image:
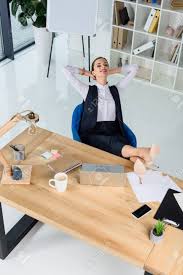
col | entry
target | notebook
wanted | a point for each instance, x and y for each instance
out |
(64, 165)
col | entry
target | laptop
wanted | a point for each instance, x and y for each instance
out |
(64, 165)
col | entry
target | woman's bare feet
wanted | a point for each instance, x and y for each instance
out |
(144, 153)
(134, 159)
(134, 153)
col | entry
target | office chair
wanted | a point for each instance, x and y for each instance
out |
(76, 118)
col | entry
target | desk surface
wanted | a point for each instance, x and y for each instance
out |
(99, 215)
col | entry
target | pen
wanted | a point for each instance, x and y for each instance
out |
(170, 222)
(14, 148)
(140, 179)
(152, 166)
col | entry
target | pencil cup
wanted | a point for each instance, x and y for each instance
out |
(19, 154)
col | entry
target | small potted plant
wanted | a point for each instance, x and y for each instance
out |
(156, 234)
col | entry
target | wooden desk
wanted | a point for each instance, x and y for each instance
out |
(99, 215)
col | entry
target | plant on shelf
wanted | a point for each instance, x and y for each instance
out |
(156, 234)
(30, 10)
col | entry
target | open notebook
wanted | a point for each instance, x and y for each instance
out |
(64, 165)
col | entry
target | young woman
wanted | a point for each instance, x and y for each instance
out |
(102, 122)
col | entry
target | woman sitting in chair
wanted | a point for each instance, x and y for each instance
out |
(102, 122)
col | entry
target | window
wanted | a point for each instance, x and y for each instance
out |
(22, 36)
(1, 44)
(13, 36)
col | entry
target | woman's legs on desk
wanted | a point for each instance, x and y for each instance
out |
(117, 145)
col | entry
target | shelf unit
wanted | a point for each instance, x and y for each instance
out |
(155, 66)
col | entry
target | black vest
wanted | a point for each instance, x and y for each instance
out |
(89, 116)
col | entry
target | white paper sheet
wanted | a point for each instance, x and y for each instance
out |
(153, 188)
(179, 199)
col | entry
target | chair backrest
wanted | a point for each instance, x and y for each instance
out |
(130, 135)
(76, 118)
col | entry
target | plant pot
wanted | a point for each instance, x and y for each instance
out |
(154, 238)
(43, 40)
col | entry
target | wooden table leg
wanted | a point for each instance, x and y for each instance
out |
(10, 240)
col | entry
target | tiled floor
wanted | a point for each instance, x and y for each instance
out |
(153, 114)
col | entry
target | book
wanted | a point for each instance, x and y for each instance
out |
(177, 4)
(154, 24)
(175, 54)
(124, 16)
(144, 47)
(115, 37)
(122, 38)
(153, 2)
(149, 20)
(179, 32)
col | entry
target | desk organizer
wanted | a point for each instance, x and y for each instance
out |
(26, 176)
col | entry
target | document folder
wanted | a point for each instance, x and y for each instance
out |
(122, 38)
(154, 24)
(115, 38)
(149, 20)
(169, 209)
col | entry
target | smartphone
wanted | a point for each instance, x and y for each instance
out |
(141, 211)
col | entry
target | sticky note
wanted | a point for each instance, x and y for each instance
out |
(54, 151)
(56, 155)
(47, 155)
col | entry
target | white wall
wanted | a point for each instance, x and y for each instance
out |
(103, 35)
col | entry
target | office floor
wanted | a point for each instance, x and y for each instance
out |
(155, 116)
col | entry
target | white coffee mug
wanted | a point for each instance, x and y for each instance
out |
(59, 182)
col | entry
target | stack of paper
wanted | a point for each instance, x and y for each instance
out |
(179, 199)
(153, 188)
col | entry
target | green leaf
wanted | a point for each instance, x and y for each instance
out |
(40, 22)
(40, 9)
(44, 3)
(34, 3)
(28, 9)
(22, 19)
(159, 228)
(14, 7)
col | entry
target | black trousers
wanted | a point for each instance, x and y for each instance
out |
(106, 136)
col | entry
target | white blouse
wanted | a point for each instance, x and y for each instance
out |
(106, 104)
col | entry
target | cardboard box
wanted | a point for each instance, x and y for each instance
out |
(102, 174)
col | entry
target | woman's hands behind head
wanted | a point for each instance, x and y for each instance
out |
(86, 73)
